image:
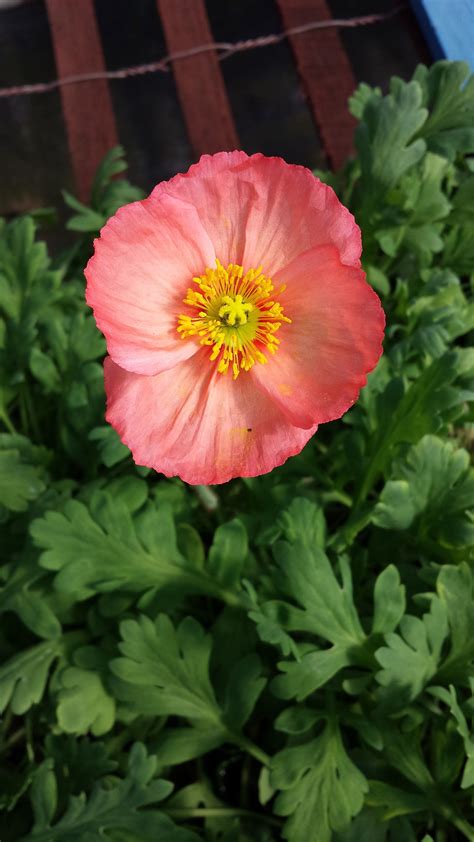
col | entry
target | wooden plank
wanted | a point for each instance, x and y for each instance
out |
(199, 81)
(448, 28)
(326, 75)
(87, 106)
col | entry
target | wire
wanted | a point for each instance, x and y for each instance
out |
(224, 50)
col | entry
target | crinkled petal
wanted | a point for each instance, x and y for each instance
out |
(333, 341)
(224, 201)
(263, 211)
(198, 424)
(143, 264)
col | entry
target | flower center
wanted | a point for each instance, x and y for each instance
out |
(234, 310)
(235, 315)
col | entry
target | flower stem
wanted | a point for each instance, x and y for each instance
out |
(207, 497)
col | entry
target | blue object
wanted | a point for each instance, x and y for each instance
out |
(448, 26)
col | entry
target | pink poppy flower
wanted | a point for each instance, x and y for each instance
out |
(236, 315)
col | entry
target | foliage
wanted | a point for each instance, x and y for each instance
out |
(289, 656)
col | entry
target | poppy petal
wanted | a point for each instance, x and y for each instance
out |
(263, 211)
(143, 264)
(333, 341)
(198, 424)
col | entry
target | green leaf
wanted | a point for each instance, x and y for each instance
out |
(78, 762)
(303, 521)
(385, 137)
(23, 677)
(432, 487)
(411, 223)
(113, 807)
(173, 666)
(439, 314)
(244, 687)
(395, 802)
(83, 702)
(369, 825)
(378, 280)
(25, 593)
(324, 608)
(450, 699)
(297, 719)
(410, 659)
(389, 601)
(403, 751)
(463, 202)
(165, 672)
(94, 548)
(111, 449)
(111, 165)
(220, 824)
(107, 196)
(85, 219)
(321, 787)
(19, 482)
(44, 794)
(228, 552)
(455, 586)
(405, 415)
(448, 91)
(313, 670)
(268, 619)
(428, 202)
(190, 545)
(43, 368)
(179, 745)
(109, 193)
(30, 298)
(361, 96)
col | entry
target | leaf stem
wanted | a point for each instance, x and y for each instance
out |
(23, 413)
(458, 821)
(218, 813)
(15, 738)
(7, 422)
(31, 413)
(464, 827)
(252, 749)
(214, 589)
(29, 739)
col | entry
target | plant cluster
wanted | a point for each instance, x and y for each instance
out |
(288, 656)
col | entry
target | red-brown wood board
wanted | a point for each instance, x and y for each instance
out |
(87, 106)
(199, 81)
(325, 73)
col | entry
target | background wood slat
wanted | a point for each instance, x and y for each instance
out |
(326, 75)
(87, 106)
(199, 81)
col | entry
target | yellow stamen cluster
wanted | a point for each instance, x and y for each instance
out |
(235, 315)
